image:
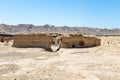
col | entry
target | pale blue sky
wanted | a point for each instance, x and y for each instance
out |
(89, 13)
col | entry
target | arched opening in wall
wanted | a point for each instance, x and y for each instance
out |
(73, 46)
(81, 43)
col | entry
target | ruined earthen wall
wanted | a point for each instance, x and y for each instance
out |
(45, 41)
(32, 40)
(69, 42)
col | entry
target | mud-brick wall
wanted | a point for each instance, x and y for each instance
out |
(69, 42)
(32, 40)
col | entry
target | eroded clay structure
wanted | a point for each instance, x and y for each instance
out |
(52, 40)
(33, 40)
(79, 41)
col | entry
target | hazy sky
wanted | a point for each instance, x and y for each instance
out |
(90, 13)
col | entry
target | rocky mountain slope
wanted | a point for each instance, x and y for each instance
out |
(29, 28)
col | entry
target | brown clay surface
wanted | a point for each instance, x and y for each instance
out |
(96, 63)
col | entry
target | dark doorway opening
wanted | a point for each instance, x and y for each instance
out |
(73, 46)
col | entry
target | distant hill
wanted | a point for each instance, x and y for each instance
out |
(29, 28)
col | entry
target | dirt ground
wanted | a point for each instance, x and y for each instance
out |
(96, 63)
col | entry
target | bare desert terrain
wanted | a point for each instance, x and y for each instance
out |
(95, 63)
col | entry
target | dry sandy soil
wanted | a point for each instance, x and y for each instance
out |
(96, 63)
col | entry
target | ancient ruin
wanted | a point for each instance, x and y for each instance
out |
(54, 41)
(79, 41)
(33, 40)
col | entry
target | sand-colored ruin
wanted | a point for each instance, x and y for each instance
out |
(50, 40)
(32, 40)
(62, 40)
(79, 41)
